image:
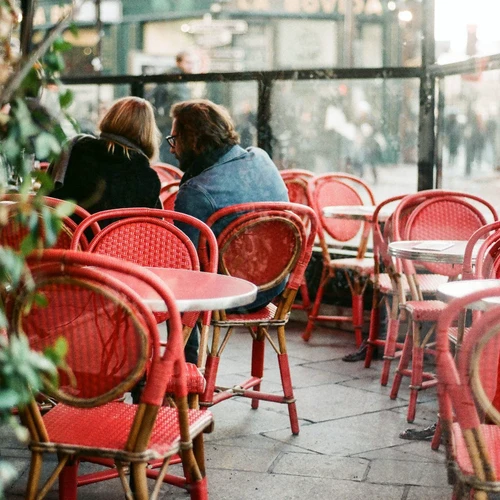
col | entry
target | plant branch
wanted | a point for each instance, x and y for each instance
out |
(28, 61)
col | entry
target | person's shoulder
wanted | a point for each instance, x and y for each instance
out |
(259, 155)
(83, 141)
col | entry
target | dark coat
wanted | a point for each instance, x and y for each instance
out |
(98, 179)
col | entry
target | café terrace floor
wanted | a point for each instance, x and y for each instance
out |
(348, 447)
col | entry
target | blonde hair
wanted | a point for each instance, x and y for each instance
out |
(134, 119)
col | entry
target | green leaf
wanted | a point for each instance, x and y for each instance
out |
(64, 209)
(60, 45)
(45, 144)
(65, 98)
(8, 399)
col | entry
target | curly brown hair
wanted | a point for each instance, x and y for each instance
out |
(203, 126)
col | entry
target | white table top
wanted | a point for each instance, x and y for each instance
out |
(458, 289)
(193, 290)
(357, 212)
(440, 251)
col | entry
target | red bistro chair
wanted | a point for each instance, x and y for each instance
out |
(485, 265)
(168, 193)
(465, 396)
(391, 286)
(296, 181)
(15, 231)
(167, 172)
(341, 189)
(442, 215)
(148, 237)
(266, 243)
(113, 341)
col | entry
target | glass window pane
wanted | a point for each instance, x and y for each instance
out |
(471, 30)
(90, 102)
(470, 135)
(366, 128)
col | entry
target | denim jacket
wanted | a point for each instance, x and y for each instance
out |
(239, 176)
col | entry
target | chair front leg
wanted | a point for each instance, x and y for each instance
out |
(258, 352)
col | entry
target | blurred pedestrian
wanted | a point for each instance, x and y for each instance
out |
(164, 96)
(452, 138)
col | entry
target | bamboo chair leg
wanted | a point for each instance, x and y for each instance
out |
(286, 381)
(257, 370)
(139, 481)
(436, 439)
(373, 332)
(68, 481)
(417, 369)
(390, 342)
(34, 475)
(357, 317)
(404, 361)
(313, 314)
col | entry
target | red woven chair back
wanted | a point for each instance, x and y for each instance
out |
(483, 266)
(296, 173)
(149, 238)
(245, 250)
(148, 242)
(14, 231)
(467, 380)
(168, 193)
(297, 191)
(340, 189)
(443, 216)
(167, 172)
(265, 242)
(296, 183)
(382, 233)
(111, 335)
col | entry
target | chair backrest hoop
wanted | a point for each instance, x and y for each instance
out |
(246, 249)
(161, 215)
(444, 218)
(162, 365)
(106, 356)
(167, 243)
(289, 210)
(13, 233)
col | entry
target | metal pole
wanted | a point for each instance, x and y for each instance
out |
(264, 132)
(426, 137)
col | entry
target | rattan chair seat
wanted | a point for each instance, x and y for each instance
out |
(195, 381)
(103, 430)
(427, 310)
(364, 267)
(264, 315)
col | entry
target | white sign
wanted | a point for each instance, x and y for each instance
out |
(214, 38)
(111, 12)
(233, 26)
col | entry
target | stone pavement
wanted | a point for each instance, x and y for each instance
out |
(348, 446)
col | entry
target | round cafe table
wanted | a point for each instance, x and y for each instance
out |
(357, 212)
(458, 289)
(193, 290)
(439, 251)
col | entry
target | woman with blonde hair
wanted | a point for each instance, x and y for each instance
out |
(112, 170)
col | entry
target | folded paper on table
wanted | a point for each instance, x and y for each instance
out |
(433, 245)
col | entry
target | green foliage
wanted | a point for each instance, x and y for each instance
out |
(28, 130)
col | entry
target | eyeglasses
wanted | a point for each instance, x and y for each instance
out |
(171, 140)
